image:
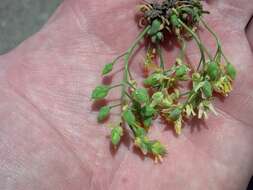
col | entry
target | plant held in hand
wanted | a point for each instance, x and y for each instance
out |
(161, 95)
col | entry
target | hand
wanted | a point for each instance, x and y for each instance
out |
(49, 136)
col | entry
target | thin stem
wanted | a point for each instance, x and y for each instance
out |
(205, 49)
(195, 37)
(160, 53)
(117, 58)
(126, 66)
(129, 84)
(219, 49)
(114, 106)
(182, 43)
(128, 95)
(115, 86)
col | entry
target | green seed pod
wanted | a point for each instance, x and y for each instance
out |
(153, 79)
(100, 92)
(147, 111)
(231, 71)
(175, 114)
(129, 117)
(157, 98)
(140, 132)
(141, 95)
(103, 113)
(107, 68)
(181, 70)
(213, 71)
(155, 27)
(116, 135)
(207, 89)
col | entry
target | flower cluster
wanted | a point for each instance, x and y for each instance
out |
(162, 95)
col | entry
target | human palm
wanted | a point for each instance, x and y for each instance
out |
(49, 136)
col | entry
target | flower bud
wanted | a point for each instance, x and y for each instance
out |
(103, 113)
(213, 71)
(231, 71)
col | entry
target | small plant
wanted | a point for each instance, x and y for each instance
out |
(161, 95)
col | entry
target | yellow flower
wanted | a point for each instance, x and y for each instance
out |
(178, 125)
(203, 108)
(189, 110)
(223, 86)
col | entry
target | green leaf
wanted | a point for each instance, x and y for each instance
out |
(103, 113)
(141, 95)
(175, 114)
(213, 71)
(107, 68)
(100, 92)
(231, 71)
(207, 89)
(155, 27)
(129, 117)
(181, 70)
(174, 21)
(116, 135)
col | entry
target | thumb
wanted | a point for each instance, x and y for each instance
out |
(237, 10)
(249, 32)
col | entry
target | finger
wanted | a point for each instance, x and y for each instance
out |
(249, 32)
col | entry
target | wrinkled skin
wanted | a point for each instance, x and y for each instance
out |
(49, 137)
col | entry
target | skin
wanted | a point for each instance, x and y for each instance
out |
(49, 136)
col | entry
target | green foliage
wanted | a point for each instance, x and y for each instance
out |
(148, 111)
